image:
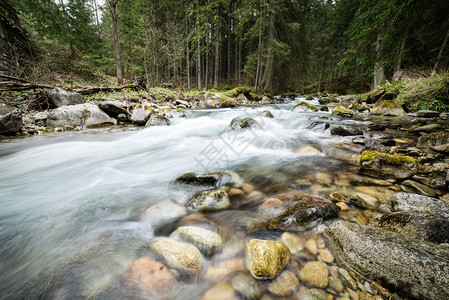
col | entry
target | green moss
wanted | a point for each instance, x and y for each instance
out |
(306, 104)
(239, 90)
(327, 100)
(341, 110)
(368, 156)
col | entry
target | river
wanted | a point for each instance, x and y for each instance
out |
(72, 204)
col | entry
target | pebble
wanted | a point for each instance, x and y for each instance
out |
(311, 246)
(323, 178)
(338, 197)
(321, 244)
(182, 256)
(285, 284)
(335, 284)
(271, 202)
(265, 259)
(315, 273)
(208, 241)
(225, 268)
(236, 193)
(220, 291)
(247, 286)
(326, 256)
(293, 242)
(248, 188)
(346, 279)
(313, 294)
(343, 206)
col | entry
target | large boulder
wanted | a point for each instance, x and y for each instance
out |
(304, 106)
(342, 110)
(415, 202)
(346, 130)
(10, 120)
(113, 108)
(265, 259)
(84, 115)
(388, 108)
(245, 123)
(216, 100)
(383, 165)
(60, 97)
(141, 114)
(414, 269)
(438, 141)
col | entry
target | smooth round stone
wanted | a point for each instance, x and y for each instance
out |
(343, 206)
(270, 203)
(225, 268)
(346, 279)
(320, 243)
(220, 291)
(163, 211)
(234, 192)
(150, 276)
(311, 246)
(182, 256)
(248, 188)
(206, 240)
(308, 150)
(323, 178)
(313, 294)
(285, 284)
(293, 242)
(315, 273)
(335, 284)
(265, 258)
(247, 286)
(209, 200)
(326, 256)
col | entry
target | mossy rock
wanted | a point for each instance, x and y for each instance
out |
(388, 108)
(304, 106)
(240, 90)
(244, 123)
(167, 85)
(342, 110)
(327, 100)
(438, 141)
(383, 165)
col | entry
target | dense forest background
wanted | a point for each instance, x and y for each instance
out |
(341, 46)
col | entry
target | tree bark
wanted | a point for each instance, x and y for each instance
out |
(259, 53)
(67, 29)
(379, 73)
(188, 53)
(118, 60)
(217, 48)
(440, 53)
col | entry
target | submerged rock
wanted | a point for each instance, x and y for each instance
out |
(150, 277)
(247, 286)
(84, 115)
(414, 269)
(10, 120)
(220, 291)
(314, 273)
(284, 285)
(265, 259)
(216, 199)
(303, 213)
(157, 120)
(182, 256)
(267, 114)
(383, 165)
(208, 241)
(421, 188)
(60, 97)
(415, 202)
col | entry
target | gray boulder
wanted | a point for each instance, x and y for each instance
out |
(216, 100)
(141, 115)
(415, 202)
(157, 120)
(438, 141)
(346, 131)
(414, 269)
(113, 108)
(428, 114)
(84, 115)
(383, 165)
(10, 120)
(245, 123)
(60, 97)
(267, 114)
(216, 199)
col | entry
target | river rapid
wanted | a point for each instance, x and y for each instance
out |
(73, 205)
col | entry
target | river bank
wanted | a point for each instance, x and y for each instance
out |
(177, 210)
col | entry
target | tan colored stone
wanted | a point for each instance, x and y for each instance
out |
(343, 206)
(265, 258)
(236, 193)
(208, 241)
(182, 256)
(314, 273)
(150, 276)
(335, 284)
(221, 291)
(323, 178)
(285, 284)
(248, 188)
(320, 243)
(311, 246)
(293, 242)
(225, 268)
(307, 150)
(271, 202)
(326, 256)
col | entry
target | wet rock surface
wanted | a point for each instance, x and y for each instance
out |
(265, 259)
(209, 200)
(10, 120)
(83, 115)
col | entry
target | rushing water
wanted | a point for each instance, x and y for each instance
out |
(72, 203)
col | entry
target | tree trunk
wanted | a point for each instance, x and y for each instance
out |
(67, 29)
(217, 48)
(440, 54)
(188, 53)
(259, 55)
(229, 49)
(118, 60)
(398, 65)
(379, 73)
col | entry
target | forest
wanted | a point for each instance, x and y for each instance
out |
(308, 46)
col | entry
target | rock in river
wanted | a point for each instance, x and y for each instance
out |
(87, 115)
(346, 131)
(414, 269)
(113, 108)
(141, 115)
(60, 97)
(216, 199)
(438, 141)
(415, 202)
(244, 123)
(182, 256)
(208, 241)
(383, 165)
(265, 259)
(10, 120)
(315, 273)
(157, 120)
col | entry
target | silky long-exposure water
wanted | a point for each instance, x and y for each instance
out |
(73, 205)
